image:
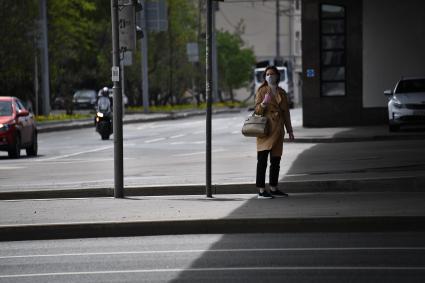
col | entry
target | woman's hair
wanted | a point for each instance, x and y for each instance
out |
(264, 75)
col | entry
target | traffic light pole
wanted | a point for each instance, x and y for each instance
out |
(209, 97)
(117, 105)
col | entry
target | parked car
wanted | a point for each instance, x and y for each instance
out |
(406, 105)
(84, 99)
(17, 128)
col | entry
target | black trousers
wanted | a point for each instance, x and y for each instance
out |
(262, 157)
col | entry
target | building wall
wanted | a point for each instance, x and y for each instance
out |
(321, 111)
(259, 19)
(385, 39)
(393, 45)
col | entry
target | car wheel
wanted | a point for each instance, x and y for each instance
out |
(33, 149)
(15, 152)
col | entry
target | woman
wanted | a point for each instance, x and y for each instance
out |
(271, 101)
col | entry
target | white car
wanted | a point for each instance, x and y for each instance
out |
(406, 105)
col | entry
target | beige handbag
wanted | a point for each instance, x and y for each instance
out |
(255, 126)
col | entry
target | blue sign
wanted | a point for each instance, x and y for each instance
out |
(311, 73)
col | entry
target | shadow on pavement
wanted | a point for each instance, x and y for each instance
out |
(338, 159)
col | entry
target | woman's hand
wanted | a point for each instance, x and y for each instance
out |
(266, 99)
(291, 137)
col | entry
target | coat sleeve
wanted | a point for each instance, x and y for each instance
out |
(259, 96)
(287, 114)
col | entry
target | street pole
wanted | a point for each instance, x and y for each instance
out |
(44, 60)
(117, 105)
(208, 96)
(215, 96)
(144, 53)
(277, 30)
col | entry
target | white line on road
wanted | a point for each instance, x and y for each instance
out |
(222, 250)
(155, 140)
(76, 153)
(177, 136)
(252, 268)
(197, 153)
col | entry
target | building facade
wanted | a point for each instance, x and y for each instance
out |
(353, 50)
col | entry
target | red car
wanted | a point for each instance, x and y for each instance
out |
(17, 128)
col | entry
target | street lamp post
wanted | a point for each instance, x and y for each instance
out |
(208, 96)
(117, 105)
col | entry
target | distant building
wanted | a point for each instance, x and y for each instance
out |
(353, 50)
(259, 20)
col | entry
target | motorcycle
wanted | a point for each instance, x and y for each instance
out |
(104, 124)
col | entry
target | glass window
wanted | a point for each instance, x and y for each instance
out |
(333, 73)
(5, 108)
(332, 11)
(414, 85)
(333, 26)
(333, 89)
(333, 42)
(333, 58)
(332, 48)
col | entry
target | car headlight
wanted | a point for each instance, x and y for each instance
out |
(4, 127)
(99, 114)
(397, 103)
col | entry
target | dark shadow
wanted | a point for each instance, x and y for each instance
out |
(337, 159)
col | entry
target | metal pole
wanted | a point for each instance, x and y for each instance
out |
(214, 55)
(117, 102)
(45, 60)
(277, 30)
(144, 53)
(209, 98)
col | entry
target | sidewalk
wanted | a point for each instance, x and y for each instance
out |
(353, 190)
(103, 217)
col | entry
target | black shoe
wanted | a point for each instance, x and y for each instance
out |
(264, 195)
(279, 194)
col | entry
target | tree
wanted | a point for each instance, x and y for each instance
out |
(18, 40)
(234, 62)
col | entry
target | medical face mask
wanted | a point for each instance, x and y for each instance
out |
(271, 79)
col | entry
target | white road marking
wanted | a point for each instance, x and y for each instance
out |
(251, 268)
(177, 136)
(76, 153)
(221, 250)
(197, 153)
(155, 140)
(10, 168)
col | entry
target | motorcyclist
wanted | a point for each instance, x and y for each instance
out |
(104, 102)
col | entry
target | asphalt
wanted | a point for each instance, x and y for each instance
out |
(368, 201)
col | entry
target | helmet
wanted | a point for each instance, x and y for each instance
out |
(105, 92)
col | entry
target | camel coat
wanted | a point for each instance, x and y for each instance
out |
(277, 113)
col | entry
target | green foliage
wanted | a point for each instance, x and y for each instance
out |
(74, 31)
(234, 62)
(79, 36)
(17, 46)
(62, 117)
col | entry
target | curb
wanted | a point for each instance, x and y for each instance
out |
(210, 226)
(402, 184)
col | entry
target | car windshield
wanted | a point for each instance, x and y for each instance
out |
(85, 94)
(415, 85)
(5, 108)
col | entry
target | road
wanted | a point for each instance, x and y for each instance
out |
(302, 257)
(155, 153)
